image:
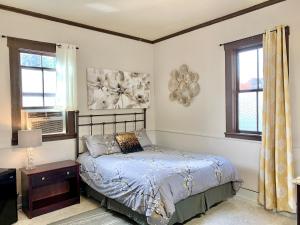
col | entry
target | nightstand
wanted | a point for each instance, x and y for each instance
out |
(50, 187)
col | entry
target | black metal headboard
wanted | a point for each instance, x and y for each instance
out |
(114, 120)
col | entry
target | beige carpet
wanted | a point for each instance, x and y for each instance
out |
(235, 211)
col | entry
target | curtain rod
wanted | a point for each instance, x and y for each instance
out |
(287, 31)
(58, 45)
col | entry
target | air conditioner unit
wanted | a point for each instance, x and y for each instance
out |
(49, 122)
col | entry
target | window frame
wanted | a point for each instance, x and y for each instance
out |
(232, 86)
(230, 82)
(16, 45)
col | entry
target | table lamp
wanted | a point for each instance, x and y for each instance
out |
(29, 139)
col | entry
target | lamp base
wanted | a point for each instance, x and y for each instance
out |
(30, 167)
(30, 164)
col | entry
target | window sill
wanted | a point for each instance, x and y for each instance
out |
(53, 137)
(245, 136)
(58, 137)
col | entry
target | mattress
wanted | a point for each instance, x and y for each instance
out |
(153, 181)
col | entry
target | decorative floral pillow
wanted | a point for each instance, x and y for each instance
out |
(128, 142)
(98, 145)
(143, 138)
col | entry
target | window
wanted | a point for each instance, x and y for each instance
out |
(38, 76)
(244, 88)
(250, 90)
(33, 84)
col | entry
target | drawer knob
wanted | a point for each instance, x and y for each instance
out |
(68, 173)
(43, 178)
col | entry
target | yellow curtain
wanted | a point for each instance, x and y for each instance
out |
(276, 191)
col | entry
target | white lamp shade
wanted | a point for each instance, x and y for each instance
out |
(30, 138)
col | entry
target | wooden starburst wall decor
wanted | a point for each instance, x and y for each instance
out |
(183, 85)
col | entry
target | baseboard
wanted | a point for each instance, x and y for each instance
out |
(248, 195)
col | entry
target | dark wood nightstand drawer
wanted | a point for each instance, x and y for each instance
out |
(49, 187)
(55, 175)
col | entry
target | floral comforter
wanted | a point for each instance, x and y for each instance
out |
(153, 181)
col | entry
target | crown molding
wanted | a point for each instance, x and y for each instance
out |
(220, 19)
(123, 35)
(72, 23)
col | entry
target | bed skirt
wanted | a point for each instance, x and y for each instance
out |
(185, 209)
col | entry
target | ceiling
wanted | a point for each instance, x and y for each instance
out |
(148, 19)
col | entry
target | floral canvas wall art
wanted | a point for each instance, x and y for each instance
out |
(115, 89)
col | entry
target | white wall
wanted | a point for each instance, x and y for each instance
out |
(201, 126)
(95, 50)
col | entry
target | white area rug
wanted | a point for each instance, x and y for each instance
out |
(94, 217)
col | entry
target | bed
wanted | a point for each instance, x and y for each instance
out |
(158, 185)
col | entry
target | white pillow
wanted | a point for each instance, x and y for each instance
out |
(143, 138)
(98, 145)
